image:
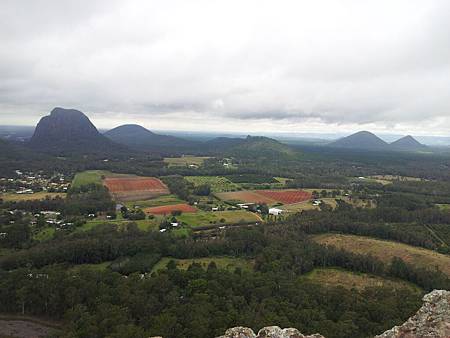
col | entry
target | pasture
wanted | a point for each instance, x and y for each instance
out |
(352, 280)
(89, 177)
(155, 202)
(386, 250)
(30, 197)
(228, 263)
(185, 161)
(203, 218)
(217, 183)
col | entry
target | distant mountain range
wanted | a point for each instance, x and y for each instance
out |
(365, 140)
(69, 131)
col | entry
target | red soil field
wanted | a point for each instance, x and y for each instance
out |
(167, 209)
(135, 188)
(287, 196)
(267, 196)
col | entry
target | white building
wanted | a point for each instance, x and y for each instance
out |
(275, 211)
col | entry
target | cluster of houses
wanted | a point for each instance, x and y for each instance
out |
(29, 183)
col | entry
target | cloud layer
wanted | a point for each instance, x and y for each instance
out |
(230, 65)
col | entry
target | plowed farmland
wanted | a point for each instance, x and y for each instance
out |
(135, 188)
(167, 209)
(266, 196)
(286, 196)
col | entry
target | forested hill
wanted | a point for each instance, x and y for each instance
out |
(138, 137)
(361, 140)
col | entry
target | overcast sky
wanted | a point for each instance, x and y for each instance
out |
(306, 66)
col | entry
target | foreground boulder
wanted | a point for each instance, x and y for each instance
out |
(266, 332)
(431, 321)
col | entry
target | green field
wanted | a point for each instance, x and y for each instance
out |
(88, 177)
(204, 218)
(217, 183)
(386, 250)
(145, 224)
(45, 234)
(185, 161)
(95, 267)
(29, 197)
(229, 263)
(353, 280)
(156, 202)
(444, 207)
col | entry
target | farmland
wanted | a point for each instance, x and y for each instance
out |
(349, 280)
(155, 202)
(144, 225)
(228, 263)
(386, 250)
(217, 183)
(246, 196)
(228, 217)
(135, 188)
(88, 177)
(266, 196)
(30, 197)
(167, 209)
(185, 161)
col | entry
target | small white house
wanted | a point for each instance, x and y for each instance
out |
(275, 211)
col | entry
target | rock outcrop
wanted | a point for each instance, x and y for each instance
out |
(266, 332)
(431, 321)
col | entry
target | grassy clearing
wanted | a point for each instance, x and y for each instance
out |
(29, 197)
(307, 205)
(228, 263)
(185, 161)
(391, 178)
(353, 280)
(386, 250)
(155, 202)
(88, 177)
(95, 267)
(217, 183)
(444, 207)
(144, 225)
(204, 218)
(44, 234)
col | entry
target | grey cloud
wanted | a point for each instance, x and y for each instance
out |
(379, 63)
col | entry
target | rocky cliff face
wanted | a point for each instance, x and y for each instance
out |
(431, 321)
